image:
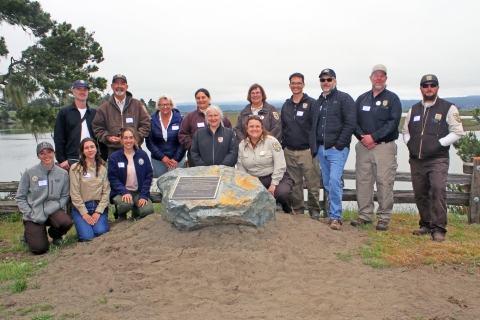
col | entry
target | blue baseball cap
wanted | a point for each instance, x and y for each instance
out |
(80, 83)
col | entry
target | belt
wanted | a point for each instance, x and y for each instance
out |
(296, 149)
(385, 142)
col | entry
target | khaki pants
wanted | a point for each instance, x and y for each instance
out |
(378, 165)
(300, 165)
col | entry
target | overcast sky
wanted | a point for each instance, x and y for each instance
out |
(176, 47)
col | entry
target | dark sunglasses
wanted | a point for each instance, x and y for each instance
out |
(327, 79)
(431, 85)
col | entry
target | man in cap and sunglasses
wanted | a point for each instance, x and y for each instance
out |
(43, 191)
(378, 116)
(120, 111)
(73, 124)
(431, 126)
(333, 122)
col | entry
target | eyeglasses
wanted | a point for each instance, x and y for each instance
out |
(431, 85)
(296, 83)
(164, 105)
(326, 79)
(256, 93)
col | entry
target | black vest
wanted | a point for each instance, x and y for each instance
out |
(426, 130)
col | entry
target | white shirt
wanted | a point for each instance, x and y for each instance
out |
(84, 130)
(120, 104)
(164, 129)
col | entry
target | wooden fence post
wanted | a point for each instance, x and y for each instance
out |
(474, 208)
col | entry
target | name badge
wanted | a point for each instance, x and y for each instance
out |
(416, 118)
(87, 174)
(300, 113)
(42, 183)
(175, 127)
(201, 125)
(129, 120)
(121, 164)
(366, 108)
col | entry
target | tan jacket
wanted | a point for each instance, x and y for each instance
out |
(86, 186)
(267, 158)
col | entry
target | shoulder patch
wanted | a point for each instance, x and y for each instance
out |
(276, 146)
(457, 117)
(275, 115)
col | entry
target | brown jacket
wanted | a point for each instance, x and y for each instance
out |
(109, 120)
(270, 119)
(191, 123)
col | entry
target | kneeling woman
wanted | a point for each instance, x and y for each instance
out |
(216, 144)
(89, 190)
(261, 155)
(130, 174)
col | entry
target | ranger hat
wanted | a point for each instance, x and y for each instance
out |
(329, 72)
(119, 76)
(429, 78)
(44, 145)
(80, 83)
(379, 67)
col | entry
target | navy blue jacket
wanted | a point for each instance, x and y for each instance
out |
(157, 145)
(68, 129)
(378, 116)
(341, 119)
(297, 123)
(117, 173)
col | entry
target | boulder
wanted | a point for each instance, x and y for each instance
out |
(241, 199)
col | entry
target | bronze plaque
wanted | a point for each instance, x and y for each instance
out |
(195, 188)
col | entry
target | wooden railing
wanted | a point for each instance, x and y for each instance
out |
(469, 180)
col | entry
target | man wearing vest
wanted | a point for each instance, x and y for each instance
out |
(431, 126)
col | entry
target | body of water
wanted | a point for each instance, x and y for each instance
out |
(19, 153)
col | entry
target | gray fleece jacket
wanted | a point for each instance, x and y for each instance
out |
(41, 192)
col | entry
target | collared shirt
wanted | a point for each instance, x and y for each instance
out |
(165, 129)
(120, 104)
(87, 186)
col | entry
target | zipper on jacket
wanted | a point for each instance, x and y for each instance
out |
(325, 126)
(423, 130)
(213, 146)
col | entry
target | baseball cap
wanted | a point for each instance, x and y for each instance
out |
(329, 72)
(379, 67)
(119, 76)
(44, 145)
(80, 83)
(429, 78)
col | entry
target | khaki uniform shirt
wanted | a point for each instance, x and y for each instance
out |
(86, 186)
(267, 158)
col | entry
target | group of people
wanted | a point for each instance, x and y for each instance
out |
(284, 150)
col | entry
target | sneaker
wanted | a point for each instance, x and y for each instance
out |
(359, 222)
(422, 231)
(382, 226)
(438, 236)
(336, 224)
(315, 215)
(325, 220)
(57, 241)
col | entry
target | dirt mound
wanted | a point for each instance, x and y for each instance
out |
(288, 269)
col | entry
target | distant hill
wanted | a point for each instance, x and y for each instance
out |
(468, 102)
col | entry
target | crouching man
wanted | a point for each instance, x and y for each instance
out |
(43, 191)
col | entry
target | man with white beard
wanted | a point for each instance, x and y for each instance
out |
(431, 126)
(119, 112)
(378, 116)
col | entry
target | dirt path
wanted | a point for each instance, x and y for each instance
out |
(285, 270)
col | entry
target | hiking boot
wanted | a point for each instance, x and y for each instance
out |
(422, 231)
(438, 236)
(359, 222)
(336, 224)
(315, 215)
(325, 220)
(382, 225)
(23, 241)
(57, 242)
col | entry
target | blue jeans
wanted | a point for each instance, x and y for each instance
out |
(85, 231)
(160, 169)
(332, 162)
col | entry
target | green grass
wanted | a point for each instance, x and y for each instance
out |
(35, 308)
(43, 316)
